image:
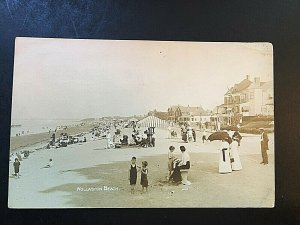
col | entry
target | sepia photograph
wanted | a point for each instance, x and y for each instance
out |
(141, 124)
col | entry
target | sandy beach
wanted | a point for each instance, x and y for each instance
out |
(32, 139)
(88, 175)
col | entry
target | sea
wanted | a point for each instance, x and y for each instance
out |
(35, 126)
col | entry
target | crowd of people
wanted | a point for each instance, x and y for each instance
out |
(188, 134)
(229, 159)
(138, 138)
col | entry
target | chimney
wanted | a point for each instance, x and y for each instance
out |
(248, 77)
(256, 80)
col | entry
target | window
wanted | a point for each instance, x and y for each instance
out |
(251, 95)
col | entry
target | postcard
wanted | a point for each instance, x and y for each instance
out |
(141, 124)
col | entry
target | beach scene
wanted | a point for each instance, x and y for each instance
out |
(141, 124)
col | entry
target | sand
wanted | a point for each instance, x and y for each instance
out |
(32, 139)
(87, 175)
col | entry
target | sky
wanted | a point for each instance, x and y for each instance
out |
(76, 79)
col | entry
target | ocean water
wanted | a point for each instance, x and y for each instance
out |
(34, 126)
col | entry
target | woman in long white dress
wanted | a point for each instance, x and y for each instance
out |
(224, 160)
(234, 155)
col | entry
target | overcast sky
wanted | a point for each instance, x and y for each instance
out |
(75, 79)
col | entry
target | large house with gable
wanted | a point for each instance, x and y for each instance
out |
(189, 114)
(246, 98)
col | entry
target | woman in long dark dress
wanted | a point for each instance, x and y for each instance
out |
(17, 167)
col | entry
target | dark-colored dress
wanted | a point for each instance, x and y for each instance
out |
(176, 175)
(184, 136)
(133, 174)
(17, 166)
(264, 147)
(144, 178)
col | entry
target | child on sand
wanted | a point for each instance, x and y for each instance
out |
(144, 176)
(50, 164)
(132, 175)
(17, 167)
(171, 159)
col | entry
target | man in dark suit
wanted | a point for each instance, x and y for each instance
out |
(264, 146)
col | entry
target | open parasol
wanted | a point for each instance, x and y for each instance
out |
(219, 135)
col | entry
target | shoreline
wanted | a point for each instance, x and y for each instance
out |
(18, 142)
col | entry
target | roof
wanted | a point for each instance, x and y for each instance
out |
(196, 110)
(257, 85)
(239, 87)
(267, 85)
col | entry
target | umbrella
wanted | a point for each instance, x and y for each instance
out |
(219, 135)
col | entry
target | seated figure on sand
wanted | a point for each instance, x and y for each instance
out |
(49, 165)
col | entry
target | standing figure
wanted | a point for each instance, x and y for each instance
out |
(194, 135)
(171, 158)
(144, 176)
(17, 167)
(264, 146)
(224, 160)
(53, 139)
(204, 136)
(153, 138)
(238, 137)
(234, 155)
(132, 176)
(169, 131)
(184, 135)
(190, 134)
(108, 137)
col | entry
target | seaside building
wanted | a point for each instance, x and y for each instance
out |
(194, 115)
(244, 99)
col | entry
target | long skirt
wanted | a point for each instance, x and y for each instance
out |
(176, 175)
(224, 161)
(235, 159)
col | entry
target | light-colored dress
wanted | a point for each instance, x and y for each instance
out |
(234, 155)
(171, 160)
(224, 160)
